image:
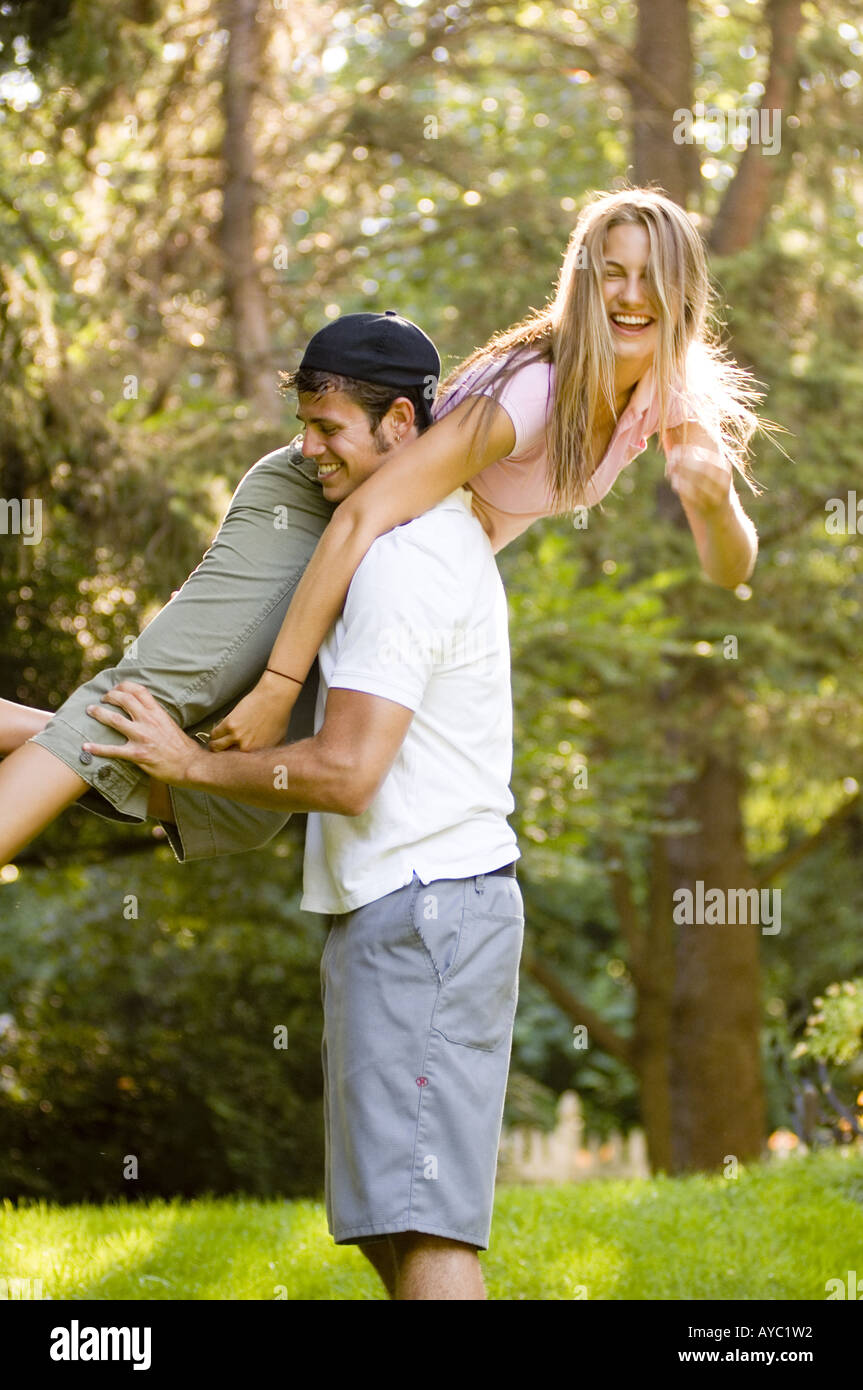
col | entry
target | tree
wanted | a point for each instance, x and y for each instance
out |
(246, 300)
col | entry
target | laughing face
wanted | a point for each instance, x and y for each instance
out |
(632, 314)
(338, 436)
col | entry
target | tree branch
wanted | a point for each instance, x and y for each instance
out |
(601, 1033)
(28, 230)
(747, 197)
(789, 859)
(631, 924)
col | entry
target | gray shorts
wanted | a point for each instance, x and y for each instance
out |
(204, 651)
(419, 991)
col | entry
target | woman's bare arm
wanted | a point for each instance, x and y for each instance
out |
(725, 538)
(420, 475)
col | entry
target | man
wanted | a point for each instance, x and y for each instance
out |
(210, 644)
(408, 852)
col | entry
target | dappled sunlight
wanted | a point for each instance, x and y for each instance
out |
(78, 1252)
(172, 1250)
(778, 1231)
(583, 1266)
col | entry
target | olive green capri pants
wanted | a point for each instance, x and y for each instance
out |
(204, 651)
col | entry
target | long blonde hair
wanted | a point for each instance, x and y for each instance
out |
(573, 332)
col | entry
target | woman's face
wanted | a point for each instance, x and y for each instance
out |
(632, 314)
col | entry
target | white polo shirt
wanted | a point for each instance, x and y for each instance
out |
(425, 625)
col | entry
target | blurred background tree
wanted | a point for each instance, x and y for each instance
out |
(187, 191)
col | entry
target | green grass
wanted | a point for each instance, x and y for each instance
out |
(778, 1231)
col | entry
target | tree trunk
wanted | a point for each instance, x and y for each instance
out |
(244, 293)
(699, 1022)
(663, 49)
(717, 1098)
(748, 197)
(652, 1041)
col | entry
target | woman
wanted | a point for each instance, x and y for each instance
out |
(539, 420)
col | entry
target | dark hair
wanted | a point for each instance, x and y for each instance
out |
(374, 399)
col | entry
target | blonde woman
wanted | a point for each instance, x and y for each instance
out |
(538, 421)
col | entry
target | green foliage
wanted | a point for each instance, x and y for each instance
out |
(154, 1035)
(834, 1033)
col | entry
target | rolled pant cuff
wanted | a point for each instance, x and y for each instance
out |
(120, 790)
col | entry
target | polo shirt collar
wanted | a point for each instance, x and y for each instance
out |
(306, 466)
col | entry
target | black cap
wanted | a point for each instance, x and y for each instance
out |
(383, 348)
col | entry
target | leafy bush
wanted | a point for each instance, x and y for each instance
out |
(139, 1009)
(834, 1033)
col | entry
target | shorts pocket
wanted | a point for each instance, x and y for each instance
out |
(435, 913)
(479, 989)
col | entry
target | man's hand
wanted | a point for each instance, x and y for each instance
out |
(155, 742)
(261, 718)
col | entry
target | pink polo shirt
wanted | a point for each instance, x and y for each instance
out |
(515, 491)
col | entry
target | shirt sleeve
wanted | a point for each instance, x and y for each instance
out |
(526, 397)
(390, 633)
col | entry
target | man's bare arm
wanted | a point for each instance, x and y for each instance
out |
(339, 770)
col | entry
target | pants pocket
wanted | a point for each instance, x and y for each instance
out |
(474, 937)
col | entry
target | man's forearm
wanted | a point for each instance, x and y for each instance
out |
(301, 776)
(340, 770)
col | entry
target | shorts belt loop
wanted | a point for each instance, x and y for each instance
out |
(480, 882)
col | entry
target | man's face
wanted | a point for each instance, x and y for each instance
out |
(338, 436)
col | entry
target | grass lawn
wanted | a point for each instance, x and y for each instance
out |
(778, 1231)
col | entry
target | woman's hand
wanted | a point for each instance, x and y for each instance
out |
(701, 477)
(725, 538)
(261, 718)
